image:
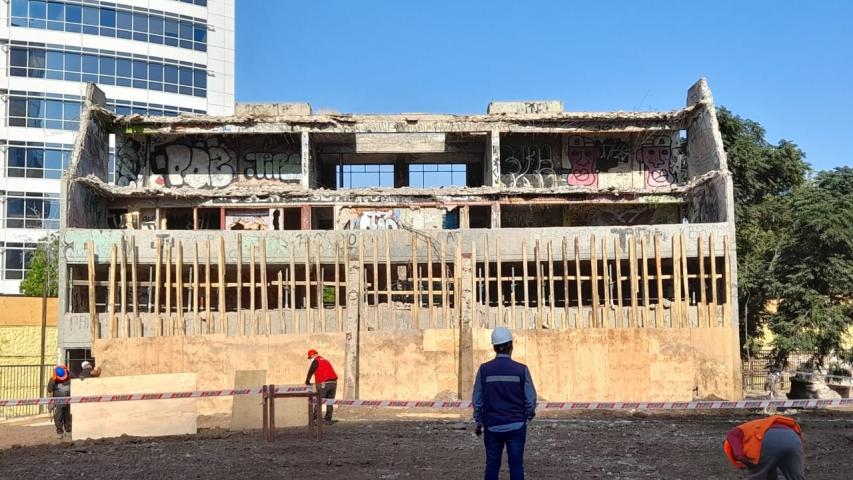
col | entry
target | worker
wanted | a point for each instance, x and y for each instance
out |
(326, 380)
(504, 401)
(88, 371)
(60, 386)
(765, 445)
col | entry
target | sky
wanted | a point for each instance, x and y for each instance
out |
(786, 64)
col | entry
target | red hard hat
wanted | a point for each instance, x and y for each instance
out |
(311, 353)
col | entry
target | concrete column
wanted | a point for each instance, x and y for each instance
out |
(306, 161)
(351, 327)
(401, 173)
(466, 368)
(493, 160)
(496, 215)
(305, 217)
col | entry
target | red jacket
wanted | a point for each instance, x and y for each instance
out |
(322, 370)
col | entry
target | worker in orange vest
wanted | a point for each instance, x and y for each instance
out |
(762, 446)
(60, 386)
(326, 379)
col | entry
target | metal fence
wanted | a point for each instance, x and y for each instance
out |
(757, 368)
(21, 381)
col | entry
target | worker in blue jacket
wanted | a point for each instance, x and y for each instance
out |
(504, 401)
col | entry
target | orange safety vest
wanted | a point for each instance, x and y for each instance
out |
(753, 436)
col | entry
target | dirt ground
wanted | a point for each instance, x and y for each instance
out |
(372, 444)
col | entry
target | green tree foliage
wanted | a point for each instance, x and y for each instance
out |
(39, 267)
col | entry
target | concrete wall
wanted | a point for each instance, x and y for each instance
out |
(581, 365)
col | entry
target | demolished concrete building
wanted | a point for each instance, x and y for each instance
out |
(393, 243)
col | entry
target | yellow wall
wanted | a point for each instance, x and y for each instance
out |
(20, 330)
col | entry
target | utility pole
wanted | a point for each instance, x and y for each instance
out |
(45, 290)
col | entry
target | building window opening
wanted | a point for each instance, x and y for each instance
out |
(438, 175)
(480, 216)
(209, 219)
(179, 219)
(364, 176)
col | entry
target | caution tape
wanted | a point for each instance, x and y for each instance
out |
(577, 406)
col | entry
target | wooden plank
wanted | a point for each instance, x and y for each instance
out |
(676, 313)
(457, 285)
(703, 300)
(265, 298)
(111, 294)
(223, 317)
(429, 279)
(593, 273)
(196, 284)
(646, 307)
(617, 259)
(524, 283)
(474, 323)
(513, 322)
(540, 313)
(415, 284)
(157, 281)
(309, 317)
(170, 324)
(134, 281)
(388, 283)
(727, 285)
(362, 293)
(445, 314)
(712, 306)
(338, 311)
(253, 321)
(241, 324)
(207, 293)
(566, 288)
(296, 324)
(94, 329)
(487, 297)
(500, 281)
(124, 324)
(605, 268)
(579, 321)
(552, 322)
(659, 284)
(280, 300)
(376, 282)
(685, 284)
(318, 269)
(179, 286)
(634, 284)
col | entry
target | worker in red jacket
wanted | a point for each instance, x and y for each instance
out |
(326, 379)
(762, 446)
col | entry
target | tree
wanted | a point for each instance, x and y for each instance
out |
(39, 266)
(763, 175)
(813, 275)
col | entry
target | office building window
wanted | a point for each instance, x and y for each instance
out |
(16, 259)
(36, 160)
(111, 20)
(438, 175)
(62, 112)
(358, 176)
(108, 68)
(32, 210)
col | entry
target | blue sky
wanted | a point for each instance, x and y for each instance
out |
(785, 64)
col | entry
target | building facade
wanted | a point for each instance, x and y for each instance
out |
(606, 240)
(151, 57)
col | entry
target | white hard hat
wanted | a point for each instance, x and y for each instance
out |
(501, 335)
(86, 365)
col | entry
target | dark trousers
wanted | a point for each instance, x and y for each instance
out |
(514, 441)
(328, 390)
(781, 449)
(62, 418)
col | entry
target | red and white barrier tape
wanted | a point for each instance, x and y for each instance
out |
(440, 404)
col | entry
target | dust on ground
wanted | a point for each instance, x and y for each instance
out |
(383, 444)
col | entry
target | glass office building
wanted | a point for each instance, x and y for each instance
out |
(151, 57)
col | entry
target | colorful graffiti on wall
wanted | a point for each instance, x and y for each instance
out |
(657, 159)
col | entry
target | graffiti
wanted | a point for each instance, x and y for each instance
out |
(129, 159)
(583, 156)
(373, 220)
(193, 164)
(273, 166)
(657, 159)
(528, 166)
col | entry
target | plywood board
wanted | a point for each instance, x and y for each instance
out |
(246, 411)
(137, 418)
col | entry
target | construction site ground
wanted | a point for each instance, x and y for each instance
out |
(397, 444)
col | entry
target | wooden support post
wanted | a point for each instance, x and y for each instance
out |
(429, 279)
(500, 283)
(208, 297)
(685, 283)
(445, 320)
(415, 284)
(111, 294)
(487, 297)
(617, 259)
(634, 285)
(540, 300)
(712, 252)
(658, 284)
(309, 317)
(646, 307)
(123, 320)
(513, 323)
(170, 323)
(362, 294)
(727, 285)
(605, 268)
(376, 282)
(566, 289)
(223, 317)
(552, 321)
(388, 284)
(703, 301)
(280, 302)
(296, 324)
(524, 282)
(196, 285)
(265, 298)
(457, 284)
(318, 269)
(179, 286)
(579, 321)
(593, 273)
(676, 318)
(158, 330)
(241, 326)
(253, 321)
(473, 284)
(339, 322)
(94, 329)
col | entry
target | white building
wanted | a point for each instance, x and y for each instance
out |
(149, 56)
